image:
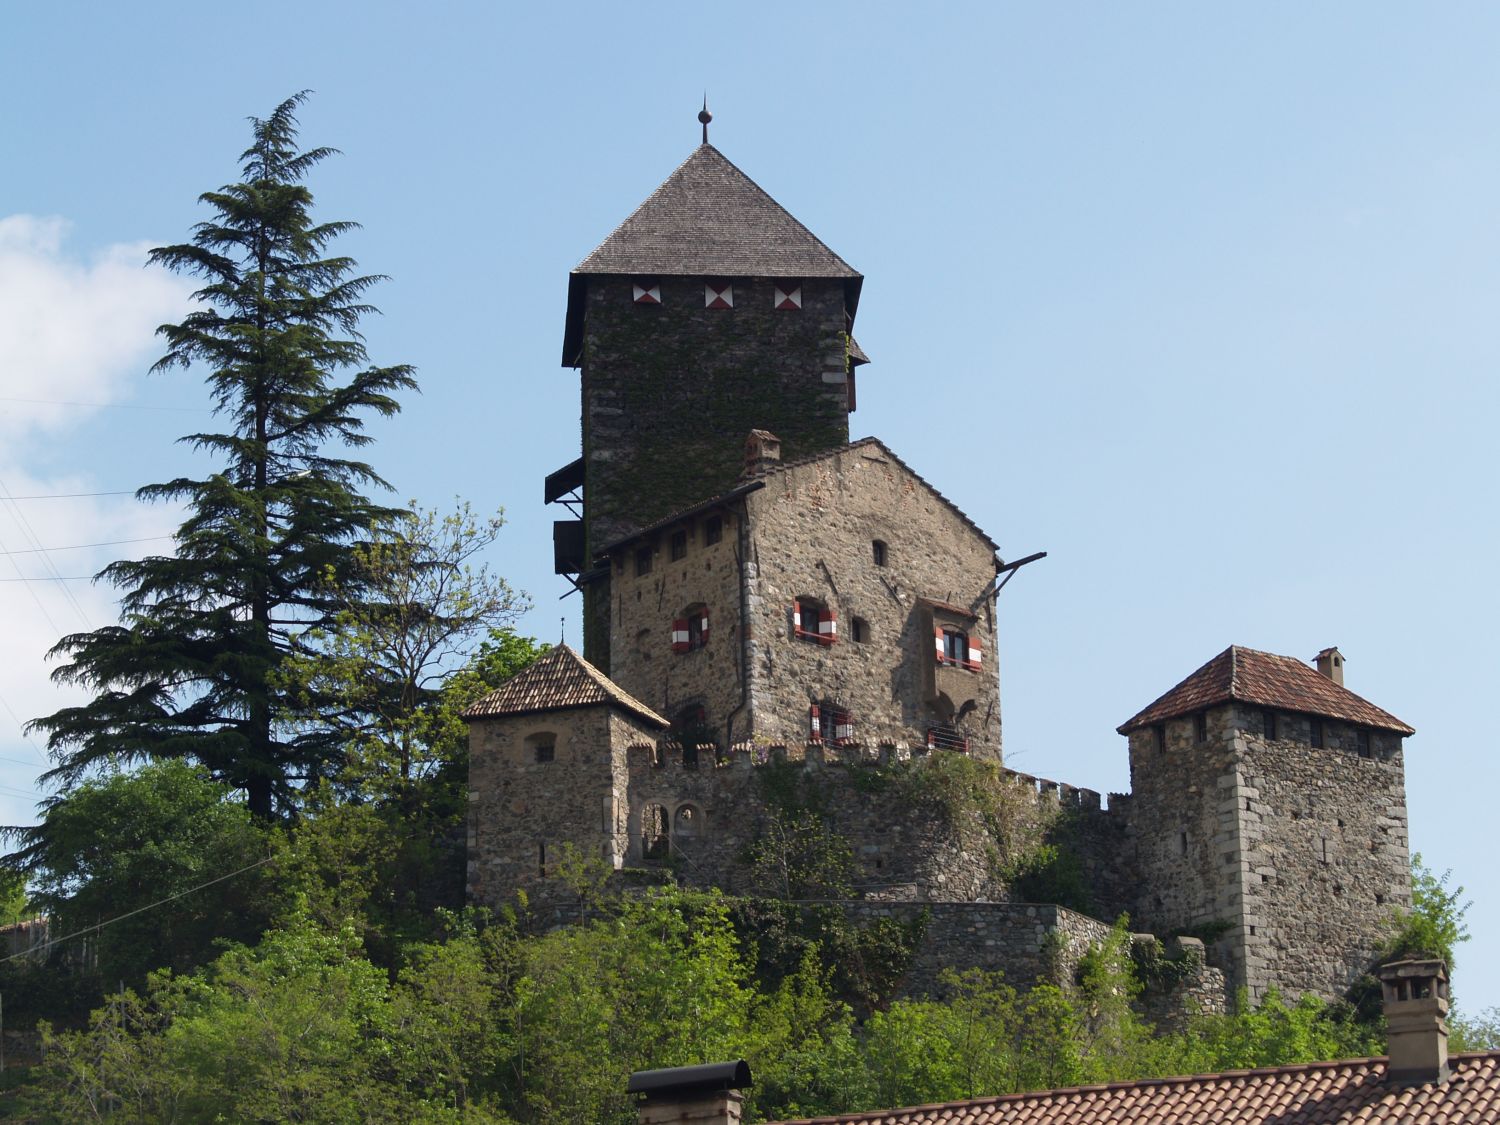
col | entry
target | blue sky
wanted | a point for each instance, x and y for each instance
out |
(1200, 301)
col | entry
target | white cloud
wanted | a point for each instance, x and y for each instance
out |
(78, 331)
(69, 329)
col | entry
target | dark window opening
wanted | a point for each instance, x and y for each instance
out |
(830, 725)
(814, 621)
(690, 631)
(656, 840)
(1200, 727)
(643, 562)
(955, 647)
(1268, 725)
(678, 544)
(1315, 733)
(713, 530)
(859, 630)
(1362, 743)
(692, 733)
(946, 736)
(878, 551)
(1182, 846)
(541, 860)
(1160, 730)
(545, 751)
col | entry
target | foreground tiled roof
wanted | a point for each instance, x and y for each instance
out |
(559, 678)
(1352, 1091)
(710, 219)
(1246, 676)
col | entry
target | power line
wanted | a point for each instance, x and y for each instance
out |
(97, 926)
(107, 405)
(81, 546)
(72, 495)
(54, 578)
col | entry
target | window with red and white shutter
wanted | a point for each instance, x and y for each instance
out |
(976, 658)
(940, 644)
(815, 723)
(681, 639)
(814, 622)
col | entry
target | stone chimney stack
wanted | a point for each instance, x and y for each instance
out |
(692, 1095)
(1331, 664)
(1416, 1004)
(762, 450)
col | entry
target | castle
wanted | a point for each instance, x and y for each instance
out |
(763, 596)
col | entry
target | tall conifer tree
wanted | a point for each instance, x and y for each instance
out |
(193, 669)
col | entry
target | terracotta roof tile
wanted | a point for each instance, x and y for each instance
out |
(1246, 676)
(558, 679)
(1334, 1093)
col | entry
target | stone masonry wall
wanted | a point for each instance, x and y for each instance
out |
(1295, 855)
(813, 529)
(1325, 852)
(644, 607)
(671, 390)
(522, 812)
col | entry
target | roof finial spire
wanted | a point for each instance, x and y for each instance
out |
(705, 117)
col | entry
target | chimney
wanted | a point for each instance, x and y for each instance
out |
(1416, 1002)
(762, 450)
(1331, 663)
(691, 1095)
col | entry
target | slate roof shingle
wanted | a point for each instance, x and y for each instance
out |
(707, 219)
(1244, 675)
(1334, 1093)
(558, 679)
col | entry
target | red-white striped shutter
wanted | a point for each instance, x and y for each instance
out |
(796, 617)
(828, 626)
(937, 638)
(844, 731)
(815, 725)
(703, 629)
(680, 639)
(975, 658)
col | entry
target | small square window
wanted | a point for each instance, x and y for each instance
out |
(878, 551)
(713, 530)
(678, 544)
(859, 630)
(544, 751)
(643, 562)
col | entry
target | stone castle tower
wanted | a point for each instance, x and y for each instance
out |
(761, 591)
(709, 312)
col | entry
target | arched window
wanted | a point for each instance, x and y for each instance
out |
(656, 832)
(687, 822)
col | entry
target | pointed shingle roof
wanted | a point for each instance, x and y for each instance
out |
(710, 219)
(707, 219)
(1244, 675)
(559, 679)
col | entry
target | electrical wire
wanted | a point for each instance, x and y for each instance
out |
(97, 926)
(81, 546)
